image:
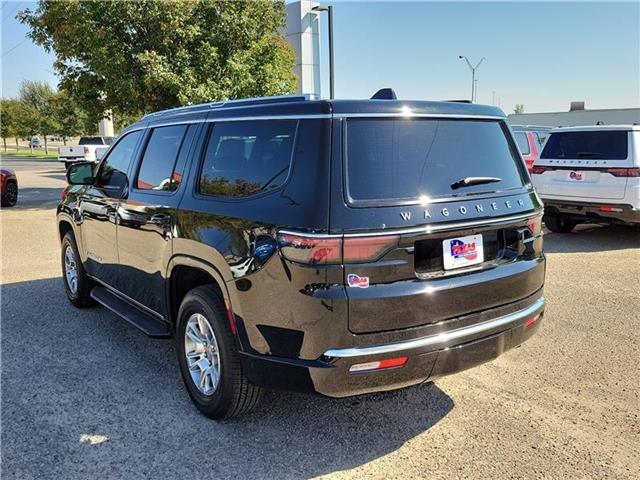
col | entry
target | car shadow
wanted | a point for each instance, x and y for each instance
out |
(84, 394)
(593, 238)
(37, 198)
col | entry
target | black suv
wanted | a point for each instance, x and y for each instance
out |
(338, 247)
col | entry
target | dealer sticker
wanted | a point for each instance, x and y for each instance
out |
(357, 281)
(462, 251)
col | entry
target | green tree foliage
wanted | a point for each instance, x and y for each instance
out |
(137, 57)
(37, 102)
(9, 116)
(519, 108)
(72, 120)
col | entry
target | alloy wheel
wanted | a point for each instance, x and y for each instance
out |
(202, 354)
(71, 269)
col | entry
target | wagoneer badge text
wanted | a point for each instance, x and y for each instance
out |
(478, 208)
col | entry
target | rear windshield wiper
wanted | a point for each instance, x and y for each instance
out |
(469, 181)
(588, 154)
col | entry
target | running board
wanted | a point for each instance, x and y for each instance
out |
(152, 326)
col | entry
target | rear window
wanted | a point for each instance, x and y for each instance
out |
(523, 143)
(609, 145)
(398, 160)
(91, 141)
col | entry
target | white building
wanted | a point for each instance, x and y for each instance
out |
(578, 116)
(303, 33)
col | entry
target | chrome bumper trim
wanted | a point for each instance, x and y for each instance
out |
(440, 340)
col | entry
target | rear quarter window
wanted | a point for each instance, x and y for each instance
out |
(244, 158)
(607, 145)
(394, 161)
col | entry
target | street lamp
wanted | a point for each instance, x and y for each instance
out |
(329, 10)
(473, 74)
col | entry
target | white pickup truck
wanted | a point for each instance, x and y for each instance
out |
(89, 149)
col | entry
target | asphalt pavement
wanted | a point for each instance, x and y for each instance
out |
(85, 395)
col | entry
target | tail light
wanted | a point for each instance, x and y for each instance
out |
(539, 169)
(624, 172)
(326, 250)
(64, 194)
(535, 225)
(86, 150)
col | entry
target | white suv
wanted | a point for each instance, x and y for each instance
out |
(589, 175)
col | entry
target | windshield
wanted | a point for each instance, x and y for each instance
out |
(605, 144)
(397, 160)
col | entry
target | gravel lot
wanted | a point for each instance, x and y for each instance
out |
(86, 395)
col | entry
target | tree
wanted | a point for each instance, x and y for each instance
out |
(9, 127)
(72, 120)
(137, 57)
(519, 108)
(37, 102)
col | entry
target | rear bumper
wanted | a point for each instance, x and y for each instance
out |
(589, 211)
(428, 357)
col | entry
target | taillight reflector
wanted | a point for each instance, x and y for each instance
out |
(539, 169)
(611, 209)
(319, 250)
(624, 172)
(86, 150)
(379, 365)
(231, 316)
(532, 321)
(535, 225)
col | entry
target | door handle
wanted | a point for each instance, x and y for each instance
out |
(160, 219)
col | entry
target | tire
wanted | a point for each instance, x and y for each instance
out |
(559, 223)
(80, 295)
(9, 194)
(232, 394)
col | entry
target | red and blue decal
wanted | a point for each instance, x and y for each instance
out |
(460, 249)
(357, 281)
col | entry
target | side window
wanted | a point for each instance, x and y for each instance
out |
(160, 157)
(523, 142)
(113, 170)
(243, 158)
(540, 137)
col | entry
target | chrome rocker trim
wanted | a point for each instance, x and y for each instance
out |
(441, 340)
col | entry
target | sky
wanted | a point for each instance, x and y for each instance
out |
(540, 54)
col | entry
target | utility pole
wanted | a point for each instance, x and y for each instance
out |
(493, 98)
(473, 74)
(329, 10)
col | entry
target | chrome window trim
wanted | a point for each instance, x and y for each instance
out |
(440, 227)
(409, 116)
(440, 340)
(315, 116)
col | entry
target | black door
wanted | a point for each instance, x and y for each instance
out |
(98, 207)
(146, 216)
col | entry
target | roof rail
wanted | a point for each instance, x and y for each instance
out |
(233, 103)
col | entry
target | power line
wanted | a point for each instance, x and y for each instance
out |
(14, 47)
(13, 11)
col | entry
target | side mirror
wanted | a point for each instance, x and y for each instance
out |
(80, 173)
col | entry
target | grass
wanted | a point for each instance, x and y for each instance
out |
(37, 153)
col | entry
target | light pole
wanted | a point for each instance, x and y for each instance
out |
(329, 10)
(473, 74)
